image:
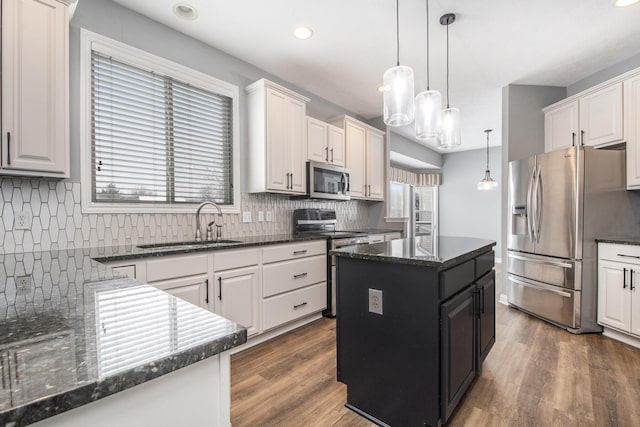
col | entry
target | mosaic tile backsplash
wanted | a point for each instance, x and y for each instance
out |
(56, 220)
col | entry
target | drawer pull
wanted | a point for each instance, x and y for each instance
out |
(302, 252)
(298, 276)
(629, 256)
(300, 305)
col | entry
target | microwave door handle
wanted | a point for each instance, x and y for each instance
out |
(345, 182)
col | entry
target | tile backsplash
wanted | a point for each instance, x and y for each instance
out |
(56, 220)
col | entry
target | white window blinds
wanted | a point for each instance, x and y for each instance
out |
(156, 139)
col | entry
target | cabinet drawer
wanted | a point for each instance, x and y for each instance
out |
(225, 260)
(621, 253)
(456, 279)
(169, 267)
(484, 263)
(294, 250)
(294, 305)
(289, 275)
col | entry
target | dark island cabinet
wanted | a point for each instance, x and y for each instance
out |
(412, 330)
(486, 314)
(458, 348)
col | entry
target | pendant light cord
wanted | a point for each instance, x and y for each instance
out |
(427, 2)
(487, 132)
(398, 32)
(447, 65)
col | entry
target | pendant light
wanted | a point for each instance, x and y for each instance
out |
(487, 182)
(397, 84)
(428, 107)
(450, 116)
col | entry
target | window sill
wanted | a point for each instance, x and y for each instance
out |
(125, 208)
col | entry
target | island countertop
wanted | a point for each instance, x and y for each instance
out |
(441, 252)
(73, 331)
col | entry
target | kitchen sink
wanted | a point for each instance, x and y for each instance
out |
(188, 244)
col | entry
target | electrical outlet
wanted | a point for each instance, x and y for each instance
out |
(269, 217)
(21, 220)
(246, 216)
(23, 285)
(375, 301)
(260, 216)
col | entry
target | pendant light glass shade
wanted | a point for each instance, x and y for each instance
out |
(487, 183)
(397, 83)
(428, 115)
(450, 128)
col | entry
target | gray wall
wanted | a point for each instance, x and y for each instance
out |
(402, 145)
(604, 75)
(463, 210)
(117, 22)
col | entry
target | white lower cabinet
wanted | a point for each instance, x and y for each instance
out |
(260, 288)
(618, 294)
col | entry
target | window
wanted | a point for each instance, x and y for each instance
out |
(158, 136)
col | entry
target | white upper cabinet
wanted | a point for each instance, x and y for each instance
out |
(561, 128)
(601, 116)
(325, 143)
(632, 130)
(277, 139)
(365, 158)
(593, 118)
(35, 87)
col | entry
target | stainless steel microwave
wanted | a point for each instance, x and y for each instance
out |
(325, 181)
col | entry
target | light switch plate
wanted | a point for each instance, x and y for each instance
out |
(375, 301)
(246, 216)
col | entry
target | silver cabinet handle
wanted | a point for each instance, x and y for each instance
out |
(541, 261)
(8, 148)
(300, 305)
(299, 276)
(206, 286)
(326, 155)
(220, 288)
(332, 155)
(304, 251)
(573, 139)
(582, 138)
(542, 288)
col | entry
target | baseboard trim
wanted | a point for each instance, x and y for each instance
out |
(266, 336)
(502, 299)
(621, 336)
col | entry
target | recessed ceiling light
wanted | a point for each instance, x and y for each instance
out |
(303, 33)
(625, 3)
(185, 11)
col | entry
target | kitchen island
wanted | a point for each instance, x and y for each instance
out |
(415, 320)
(82, 344)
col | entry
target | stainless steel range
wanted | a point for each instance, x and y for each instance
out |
(323, 222)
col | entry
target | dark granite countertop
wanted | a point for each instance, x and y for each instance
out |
(169, 247)
(441, 252)
(625, 240)
(64, 320)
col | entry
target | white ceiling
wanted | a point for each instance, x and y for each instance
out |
(493, 43)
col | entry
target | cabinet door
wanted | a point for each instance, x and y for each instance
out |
(614, 305)
(192, 289)
(317, 149)
(336, 146)
(34, 87)
(297, 150)
(561, 128)
(486, 288)
(457, 349)
(278, 154)
(355, 137)
(601, 116)
(632, 130)
(375, 166)
(635, 300)
(237, 297)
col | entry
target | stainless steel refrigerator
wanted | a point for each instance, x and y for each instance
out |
(560, 202)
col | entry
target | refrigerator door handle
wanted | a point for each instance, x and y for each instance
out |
(543, 288)
(530, 209)
(539, 201)
(540, 261)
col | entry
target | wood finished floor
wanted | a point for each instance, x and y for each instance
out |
(536, 375)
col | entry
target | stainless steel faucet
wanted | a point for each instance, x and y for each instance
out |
(218, 226)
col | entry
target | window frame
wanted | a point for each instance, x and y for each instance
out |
(91, 41)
